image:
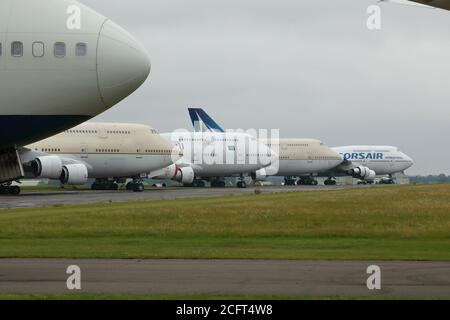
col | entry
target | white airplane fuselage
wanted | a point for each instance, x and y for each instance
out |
(384, 160)
(303, 156)
(108, 150)
(218, 154)
(61, 63)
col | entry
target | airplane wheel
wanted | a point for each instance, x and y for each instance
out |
(129, 186)
(221, 184)
(139, 187)
(242, 184)
(14, 190)
(201, 184)
(314, 183)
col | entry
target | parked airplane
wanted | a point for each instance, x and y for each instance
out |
(297, 157)
(107, 152)
(368, 162)
(211, 156)
(61, 63)
(301, 159)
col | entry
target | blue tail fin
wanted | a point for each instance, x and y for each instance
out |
(199, 116)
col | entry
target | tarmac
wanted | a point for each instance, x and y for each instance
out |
(42, 199)
(399, 279)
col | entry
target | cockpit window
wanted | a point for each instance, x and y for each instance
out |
(60, 49)
(81, 50)
(17, 49)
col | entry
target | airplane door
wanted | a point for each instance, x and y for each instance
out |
(84, 151)
(139, 151)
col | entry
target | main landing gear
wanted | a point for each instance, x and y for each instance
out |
(241, 184)
(197, 183)
(331, 181)
(290, 181)
(105, 185)
(307, 181)
(218, 183)
(8, 189)
(136, 185)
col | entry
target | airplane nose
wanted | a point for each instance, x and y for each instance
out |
(409, 160)
(122, 64)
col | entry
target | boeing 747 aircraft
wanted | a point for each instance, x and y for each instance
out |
(300, 160)
(211, 156)
(296, 157)
(368, 162)
(61, 63)
(107, 152)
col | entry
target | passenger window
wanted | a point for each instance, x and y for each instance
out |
(60, 49)
(81, 50)
(38, 49)
(17, 49)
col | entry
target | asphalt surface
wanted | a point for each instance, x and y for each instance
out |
(229, 277)
(41, 199)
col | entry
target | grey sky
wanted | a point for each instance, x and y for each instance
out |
(309, 68)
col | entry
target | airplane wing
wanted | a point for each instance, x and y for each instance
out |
(442, 4)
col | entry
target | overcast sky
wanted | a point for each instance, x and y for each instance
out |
(310, 68)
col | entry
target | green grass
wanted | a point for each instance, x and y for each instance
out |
(387, 223)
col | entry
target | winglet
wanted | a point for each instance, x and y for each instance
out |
(199, 116)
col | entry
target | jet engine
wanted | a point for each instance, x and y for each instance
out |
(74, 174)
(49, 167)
(184, 175)
(260, 175)
(364, 173)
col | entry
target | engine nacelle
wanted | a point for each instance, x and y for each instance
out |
(49, 167)
(260, 175)
(184, 175)
(74, 174)
(364, 173)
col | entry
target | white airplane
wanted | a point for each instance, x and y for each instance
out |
(211, 156)
(296, 157)
(368, 162)
(61, 63)
(300, 160)
(107, 152)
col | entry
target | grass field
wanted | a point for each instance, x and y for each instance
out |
(401, 223)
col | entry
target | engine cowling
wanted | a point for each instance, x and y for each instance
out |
(260, 175)
(184, 175)
(364, 173)
(49, 167)
(74, 174)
